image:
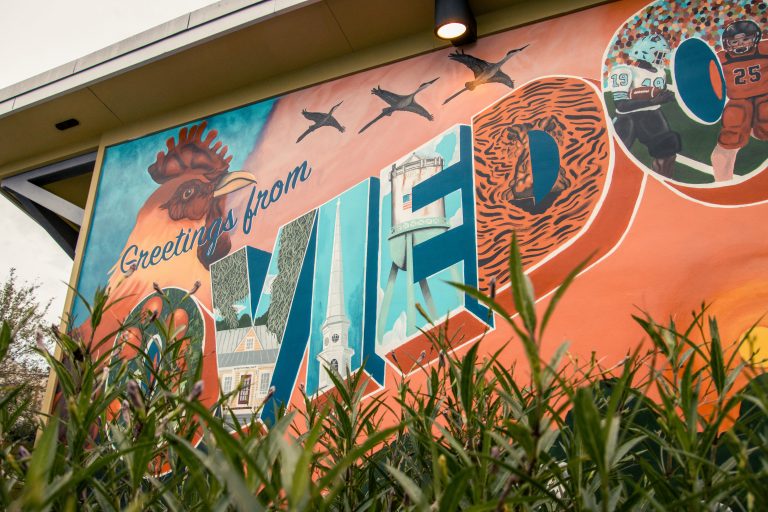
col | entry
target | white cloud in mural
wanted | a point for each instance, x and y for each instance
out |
(457, 218)
(385, 186)
(395, 336)
(456, 150)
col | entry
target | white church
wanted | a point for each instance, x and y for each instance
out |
(336, 355)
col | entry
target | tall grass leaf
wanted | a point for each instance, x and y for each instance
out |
(424, 314)
(226, 443)
(5, 339)
(467, 374)
(7, 400)
(455, 444)
(520, 433)
(168, 499)
(541, 482)
(301, 477)
(613, 498)
(454, 491)
(554, 364)
(587, 423)
(522, 290)
(372, 441)
(219, 468)
(651, 328)
(486, 300)
(409, 486)
(39, 472)
(611, 440)
(63, 375)
(716, 358)
(290, 453)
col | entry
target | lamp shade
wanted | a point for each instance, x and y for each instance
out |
(455, 22)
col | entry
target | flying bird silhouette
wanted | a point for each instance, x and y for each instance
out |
(485, 72)
(320, 119)
(406, 103)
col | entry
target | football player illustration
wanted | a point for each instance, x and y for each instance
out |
(639, 89)
(744, 58)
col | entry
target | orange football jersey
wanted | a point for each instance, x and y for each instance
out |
(746, 77)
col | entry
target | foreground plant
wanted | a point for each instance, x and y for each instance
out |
(654, 432)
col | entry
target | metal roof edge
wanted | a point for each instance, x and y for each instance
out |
(150, 45)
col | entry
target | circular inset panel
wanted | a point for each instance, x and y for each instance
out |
(666, 81)
(178, 312)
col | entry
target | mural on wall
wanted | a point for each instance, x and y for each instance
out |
(306, 236)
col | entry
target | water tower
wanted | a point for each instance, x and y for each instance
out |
(409, 228)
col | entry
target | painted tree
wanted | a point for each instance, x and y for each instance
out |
(229, 277)
(293, 246)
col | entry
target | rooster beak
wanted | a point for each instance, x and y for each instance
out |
(232, 181)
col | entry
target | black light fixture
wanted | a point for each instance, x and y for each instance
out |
(67, 124)
(455, 22)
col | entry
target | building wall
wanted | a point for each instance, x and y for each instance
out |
(255, 396)
(543, 150)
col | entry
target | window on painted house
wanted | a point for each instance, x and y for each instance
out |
(245, 390)
(264, 382)
(249, 342)
(227, 384)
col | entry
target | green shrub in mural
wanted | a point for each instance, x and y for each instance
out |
(292, 246)
(229, 281)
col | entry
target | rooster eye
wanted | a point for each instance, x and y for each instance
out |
(187, 193)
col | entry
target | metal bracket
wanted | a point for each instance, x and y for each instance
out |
(45, 207)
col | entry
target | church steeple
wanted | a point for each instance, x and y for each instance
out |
(335, 307)
(336, 355)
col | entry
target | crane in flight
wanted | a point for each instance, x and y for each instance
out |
(485, 72)
(403, 102)
(319, 120)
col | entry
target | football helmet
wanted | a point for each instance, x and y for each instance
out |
(652, 48)
(741, 37)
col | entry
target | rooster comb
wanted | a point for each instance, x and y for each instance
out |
(191, 154)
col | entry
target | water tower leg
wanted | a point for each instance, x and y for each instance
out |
(410, 321)
(386, 302)
(456, 278)
(428, 298)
